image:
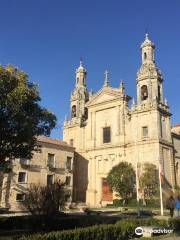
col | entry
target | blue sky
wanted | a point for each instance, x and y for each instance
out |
(47, 38)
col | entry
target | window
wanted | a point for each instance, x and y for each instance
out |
(51, 160)
(106, 135)
(86, 113)
(68, 163)
(20, 197)
(68, 180)
(22, 177)
(159, 92)
(73, 112)
(24, 161)
(71, 142)
(144, 92)
(49, 179)
(145, 56)
(145, 131)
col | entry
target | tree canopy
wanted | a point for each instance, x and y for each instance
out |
(121, 179)
(22, 118)
(149, 180)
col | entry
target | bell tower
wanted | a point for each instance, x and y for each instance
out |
(149, 78)
(151, 115)
(79, 96)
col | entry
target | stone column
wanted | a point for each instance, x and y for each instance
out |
(4, 191)
(118, 120)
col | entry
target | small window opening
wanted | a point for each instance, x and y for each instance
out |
(144, 92)
(73, 113)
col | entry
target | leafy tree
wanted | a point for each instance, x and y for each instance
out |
(121, 179)
(45, 200)
(149, 181)
(22, 119)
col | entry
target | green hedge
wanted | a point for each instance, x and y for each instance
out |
(133, 203)
(174, 223)
(37, 224)
(122, 230)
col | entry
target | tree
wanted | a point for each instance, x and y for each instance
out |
(45, 200)
(22, 119)
(121, 179)
(149, 181)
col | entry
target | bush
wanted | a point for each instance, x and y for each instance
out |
(122, 230)
(174, 223)
(62, 222)
(133, 203)
(102, 232)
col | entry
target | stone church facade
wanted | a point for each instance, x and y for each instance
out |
(105, 129)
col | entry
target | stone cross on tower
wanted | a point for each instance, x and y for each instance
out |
(106, 79)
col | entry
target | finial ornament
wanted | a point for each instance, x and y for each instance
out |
(106, 79)
(81, 63)
(121, 86)
(146, 36)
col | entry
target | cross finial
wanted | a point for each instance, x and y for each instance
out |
(81, 62)
(106, 79)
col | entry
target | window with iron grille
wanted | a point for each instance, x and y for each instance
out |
(145, 131)
(51, 160)
(49, 179)
(106, 135)
(22, 177)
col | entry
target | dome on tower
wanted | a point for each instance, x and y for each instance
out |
(147, 42)
(81, 68)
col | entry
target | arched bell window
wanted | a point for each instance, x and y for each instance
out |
(86, 113)
(159, 92)
(144, 92)
(73, 111)
(145, 56)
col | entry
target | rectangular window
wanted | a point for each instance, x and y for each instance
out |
(49, 179)
(51, 160)
(145, 131)
(20, 197)
(68, 180)
(24, 161)
(22, 177)
(71, 142)
(68, 163)
(106, 135)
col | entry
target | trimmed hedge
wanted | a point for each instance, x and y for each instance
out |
(133, 203)
(122, 230)
(37, 224)
(174, 223)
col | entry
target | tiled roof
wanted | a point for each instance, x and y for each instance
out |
(176, 125)
(55, 141)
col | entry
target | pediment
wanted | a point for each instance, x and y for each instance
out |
(104, 95)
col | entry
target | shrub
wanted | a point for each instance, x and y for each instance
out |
(122, 230)
(61, 222)
(103, 232)
(133, 203)
(175, 224)
(45, 200)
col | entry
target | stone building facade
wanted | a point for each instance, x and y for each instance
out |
(54, 162)
(176, 142)
(106, 130)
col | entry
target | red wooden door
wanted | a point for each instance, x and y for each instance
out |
(106, 193)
